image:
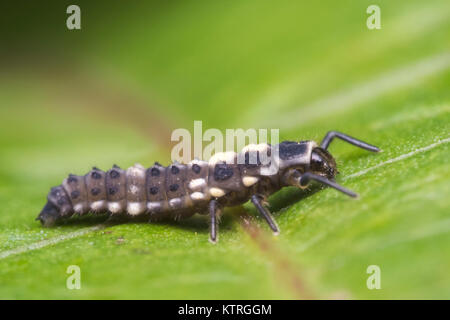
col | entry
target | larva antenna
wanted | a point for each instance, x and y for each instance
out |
(345, 137)
(308, 176)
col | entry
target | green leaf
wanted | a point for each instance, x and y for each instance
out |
(109, 93)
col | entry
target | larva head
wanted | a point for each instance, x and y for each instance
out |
(323, 164)
(296, 158)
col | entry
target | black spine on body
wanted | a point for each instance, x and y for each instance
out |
(175, 190)
(156, 188)
(96, 189)
(75, 188)
(116, 187)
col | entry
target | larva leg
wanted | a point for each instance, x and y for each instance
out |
(257, 201)
(335, 134)
(213, 212)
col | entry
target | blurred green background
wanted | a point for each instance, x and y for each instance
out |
(113, 92)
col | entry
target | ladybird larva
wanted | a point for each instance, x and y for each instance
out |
(180, 190)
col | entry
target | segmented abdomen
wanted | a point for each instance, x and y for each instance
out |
(178, 190)
(134, 191)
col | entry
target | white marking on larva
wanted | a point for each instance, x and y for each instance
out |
(135, 208)
(154, 205)
(229, 158)
(136, 171)
(114, 207)
(139, 166)
(249, 181)
(197, 196)
(175, 203)
(78, 208)
(133, 188)
(197, 161)
(217, 192)
(98, 205)
(197, 184)
(262, 147)
(270, 170)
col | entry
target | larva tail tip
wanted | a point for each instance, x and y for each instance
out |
(48, 215)
(46, 221)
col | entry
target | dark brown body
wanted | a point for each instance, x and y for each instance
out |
(177, 191)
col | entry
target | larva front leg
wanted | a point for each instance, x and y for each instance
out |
(257, 202)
